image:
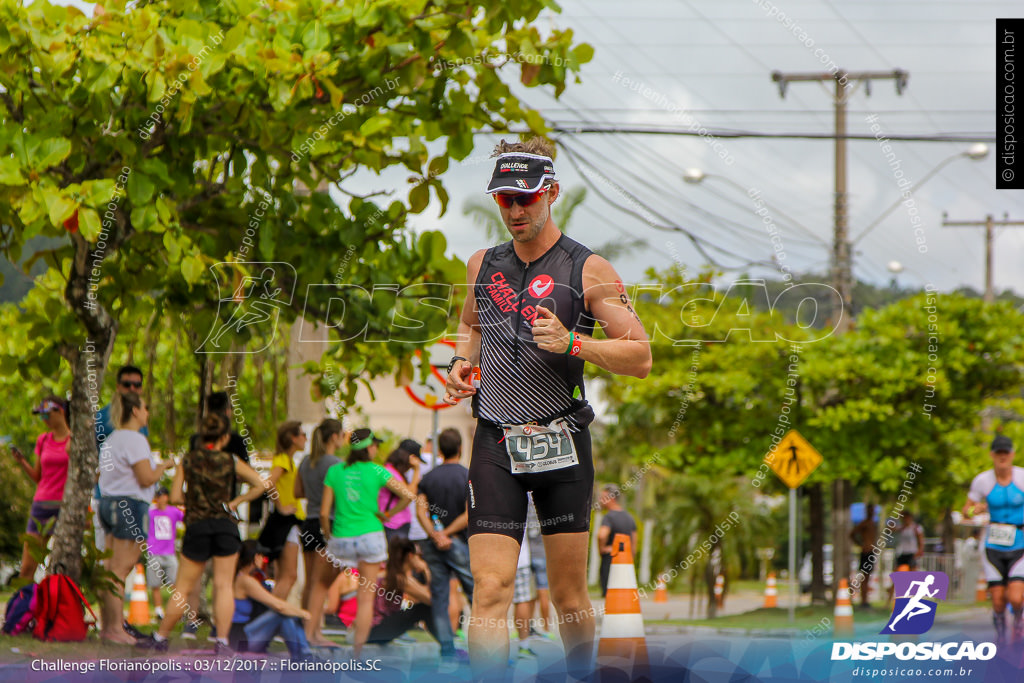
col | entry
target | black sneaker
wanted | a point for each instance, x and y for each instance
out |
(222, 650)
(152, 644)
(134, 632)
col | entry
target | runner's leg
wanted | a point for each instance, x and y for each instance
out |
(1015, 596)
(492, 559)
(995, 574)
(573, 610)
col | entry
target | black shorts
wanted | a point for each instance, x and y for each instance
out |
(867, 562)
(497, 498)
(275, 533)
(311, 536)
(1002, 566)
(909, 559)
(210, 538)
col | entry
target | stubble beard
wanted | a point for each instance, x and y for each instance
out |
(530, 233)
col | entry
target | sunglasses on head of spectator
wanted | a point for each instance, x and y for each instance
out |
(131, 385)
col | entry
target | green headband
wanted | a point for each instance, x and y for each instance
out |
(363, 443)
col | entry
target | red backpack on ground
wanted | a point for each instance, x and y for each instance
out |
(57, 607)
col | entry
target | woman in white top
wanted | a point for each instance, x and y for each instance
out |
(128, 477)
(909, 542)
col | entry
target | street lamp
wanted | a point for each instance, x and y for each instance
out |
(975, 152)
(894, 267)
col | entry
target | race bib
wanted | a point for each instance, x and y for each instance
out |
(536, 448)
(1002, 534)
(162, 530)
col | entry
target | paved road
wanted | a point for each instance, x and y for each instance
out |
(696, 655)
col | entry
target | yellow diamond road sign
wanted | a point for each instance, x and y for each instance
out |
(793, 459)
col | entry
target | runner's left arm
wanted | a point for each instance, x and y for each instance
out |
(627, 350)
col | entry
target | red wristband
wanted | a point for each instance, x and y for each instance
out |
(576, 346)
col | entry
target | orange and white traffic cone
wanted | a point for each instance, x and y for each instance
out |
(719, 590)
(843, 615)
(981, 589)
(771, 592)
(138, 610)
(622, 644)
(661, 590)
(874, 587)
(892, 586)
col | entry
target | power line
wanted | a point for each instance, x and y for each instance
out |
(667, 226)
(739, 134)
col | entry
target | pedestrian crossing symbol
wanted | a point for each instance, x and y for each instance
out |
(793, 459)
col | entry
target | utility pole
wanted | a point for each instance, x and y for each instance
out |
(842, 277)
(990, 225)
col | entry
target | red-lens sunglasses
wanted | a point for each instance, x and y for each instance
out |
(506, 201)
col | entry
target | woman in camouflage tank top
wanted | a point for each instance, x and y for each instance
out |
(205, 480)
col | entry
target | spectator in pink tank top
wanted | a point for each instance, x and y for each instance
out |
(404, 462)
(50, 471)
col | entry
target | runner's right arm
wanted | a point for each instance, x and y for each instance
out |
(467, 345)
(973, 507)
(976, 496)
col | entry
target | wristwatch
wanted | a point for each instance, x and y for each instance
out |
(451, 363)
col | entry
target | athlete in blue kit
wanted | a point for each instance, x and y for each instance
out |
(1000, 492)
(527, 322)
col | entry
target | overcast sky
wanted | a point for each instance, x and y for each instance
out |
(712, 60)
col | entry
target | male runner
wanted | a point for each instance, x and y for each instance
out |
(527, 322)
(1000, 491)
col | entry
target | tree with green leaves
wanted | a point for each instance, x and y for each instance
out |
(159, 141)
(908, 384)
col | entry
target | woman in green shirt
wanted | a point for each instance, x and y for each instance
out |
(356, 538)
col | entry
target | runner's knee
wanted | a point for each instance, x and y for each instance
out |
(570, 601)
(492, 590)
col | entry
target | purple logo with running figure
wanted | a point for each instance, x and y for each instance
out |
(916, 593)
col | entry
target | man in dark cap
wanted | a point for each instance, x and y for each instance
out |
(528, 320)
(1000, 492)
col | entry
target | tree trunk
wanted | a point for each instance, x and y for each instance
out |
(149, 390)
(816, 527)
(709, 579)
(238, 361)
(840, 533)
(88, 366)
(205, 385)
(170, 429)
(260, 389)
(274, 374)
(947, 532)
